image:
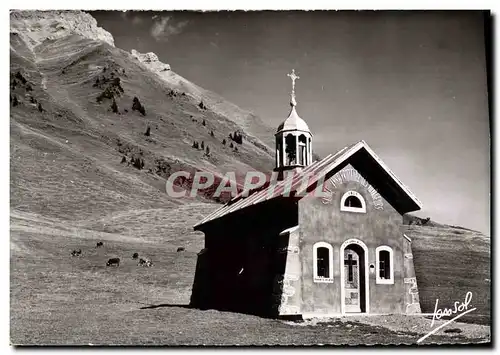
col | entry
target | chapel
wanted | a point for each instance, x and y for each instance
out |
(287, 251)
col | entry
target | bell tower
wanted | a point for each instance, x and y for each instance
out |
(293, 139)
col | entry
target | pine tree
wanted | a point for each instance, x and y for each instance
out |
(194, 144)
(204, 123)
(231, 145)
(114, 106)
(142, 110)
(124, 160)
(148, 132)
(40, 108)
(135, 104)
(212, 133)
(224, 141)
(208, 150)
(15, 101)
(202, 145)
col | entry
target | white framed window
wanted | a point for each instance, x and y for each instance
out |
(323, 262)
(352, 201)
(384, 266)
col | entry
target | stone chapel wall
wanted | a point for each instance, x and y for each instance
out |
(321, 219)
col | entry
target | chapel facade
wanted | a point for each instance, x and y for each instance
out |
(328, 247)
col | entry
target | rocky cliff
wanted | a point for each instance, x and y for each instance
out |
(37, 26)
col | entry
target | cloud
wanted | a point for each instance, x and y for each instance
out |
(129, 15)
(136, 20)
(164, 27)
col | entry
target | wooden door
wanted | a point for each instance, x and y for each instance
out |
(351, 281)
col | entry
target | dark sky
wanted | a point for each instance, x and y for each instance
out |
(411, 84)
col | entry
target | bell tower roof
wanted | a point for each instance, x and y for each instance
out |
(293, 121)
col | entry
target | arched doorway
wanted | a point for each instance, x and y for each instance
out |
(354, 277)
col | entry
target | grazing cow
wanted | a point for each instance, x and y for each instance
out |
(113, 261)
(99, 244)
(76, 252)
(135, 256)
(180, 249)
(145, 262)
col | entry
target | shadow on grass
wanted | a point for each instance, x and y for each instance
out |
(166, 305)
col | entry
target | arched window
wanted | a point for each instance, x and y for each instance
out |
(302, 153)
(323, 262)
(352, 201)
(384, 267)
(290, 149)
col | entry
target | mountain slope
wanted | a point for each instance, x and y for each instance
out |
(67, 160)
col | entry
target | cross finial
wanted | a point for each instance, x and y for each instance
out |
(294, 77)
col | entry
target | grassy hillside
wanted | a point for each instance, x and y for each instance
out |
(60, 299)
(449, 262)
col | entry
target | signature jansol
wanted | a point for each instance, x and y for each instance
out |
(458, 306)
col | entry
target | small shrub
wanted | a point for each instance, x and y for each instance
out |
(32, 100)
(15, 101)
(231, 145)
(29, 87)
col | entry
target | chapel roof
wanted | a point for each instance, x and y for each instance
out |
(359, 155)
